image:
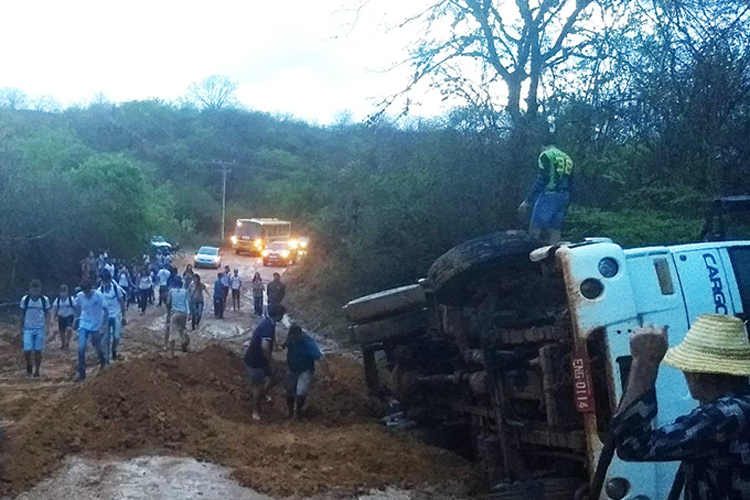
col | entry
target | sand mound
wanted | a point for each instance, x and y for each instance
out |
(199, 405)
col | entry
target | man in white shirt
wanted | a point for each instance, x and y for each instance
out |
(93, 313)
(35, 317)
(235, 283)
(114, 298)
(64, 309)
(163, 277)
(178, 307)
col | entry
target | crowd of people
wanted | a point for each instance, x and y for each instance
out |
(97, 311)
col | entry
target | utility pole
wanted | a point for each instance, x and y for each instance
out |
(224, 166)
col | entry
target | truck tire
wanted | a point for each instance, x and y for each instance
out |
(403, 325)
(481, 257)
(385, 303)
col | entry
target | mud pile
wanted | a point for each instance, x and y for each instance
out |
(199, 405)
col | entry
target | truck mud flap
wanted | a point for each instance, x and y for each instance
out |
(386, 303)
(411, 323)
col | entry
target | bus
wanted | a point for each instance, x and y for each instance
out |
(253, 235)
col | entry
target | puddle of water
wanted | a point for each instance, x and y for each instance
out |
(143, 478)
(153, 478)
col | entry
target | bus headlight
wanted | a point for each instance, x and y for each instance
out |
(293, 243)
(265, 253)
(234, 240)
(258, 243)
(303, 244)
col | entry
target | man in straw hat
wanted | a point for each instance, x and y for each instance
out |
(713, 442)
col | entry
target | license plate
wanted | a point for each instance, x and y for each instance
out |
(583, 391)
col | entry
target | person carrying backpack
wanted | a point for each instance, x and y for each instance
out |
(64, 309)
(35, 318)
(114, 298)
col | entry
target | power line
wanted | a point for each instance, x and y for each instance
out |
(224, 166)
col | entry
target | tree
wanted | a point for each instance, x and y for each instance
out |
(213, 92)
(13, 98)
(469, 46)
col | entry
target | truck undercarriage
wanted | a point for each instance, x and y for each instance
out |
(483, 365)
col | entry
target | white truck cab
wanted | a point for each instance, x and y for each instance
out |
(611, 292)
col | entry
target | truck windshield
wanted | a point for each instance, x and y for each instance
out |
(740, 257)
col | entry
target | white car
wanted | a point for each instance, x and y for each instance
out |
(207, 257)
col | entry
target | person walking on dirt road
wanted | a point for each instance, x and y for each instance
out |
(235, 283)
(258, 357)
(163, 277)
(550, 195)
(35, 320)
(225, 278)
(64, 311)
(276, 290)
(196, 291)
(713, 441)
(93, 311)
(258, 288)
(177, 307)
(219, 296)
(301, 355)
(144, 289)
(114, 297)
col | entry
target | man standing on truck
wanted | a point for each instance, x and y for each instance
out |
(713, 441)
(550, 195)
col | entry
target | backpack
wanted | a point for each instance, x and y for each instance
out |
(115, 286)
(70, 302)
(27, 299)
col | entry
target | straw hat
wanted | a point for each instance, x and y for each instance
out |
(714, 344)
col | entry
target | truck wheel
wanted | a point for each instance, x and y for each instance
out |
(384, 303)
(477, 259)
(402, 325)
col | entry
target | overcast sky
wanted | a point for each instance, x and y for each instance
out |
(300, 57)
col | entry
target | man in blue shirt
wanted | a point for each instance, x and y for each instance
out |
(302, 353)
(219, 296)
(93, 312)
(258, 357)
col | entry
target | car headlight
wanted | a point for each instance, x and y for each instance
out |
(234, 240)
(293, 243)
(285, 253)
(265, 253)
(303, 244)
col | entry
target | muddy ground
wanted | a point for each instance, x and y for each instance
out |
(136, 429)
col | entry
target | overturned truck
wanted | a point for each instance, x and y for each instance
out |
(516, 355)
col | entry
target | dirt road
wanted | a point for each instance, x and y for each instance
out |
(135, 430)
